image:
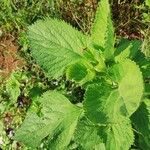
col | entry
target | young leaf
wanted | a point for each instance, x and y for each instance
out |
(57, 118)
(141, 121)
(55, 45)
(80, 73)
(102, 30)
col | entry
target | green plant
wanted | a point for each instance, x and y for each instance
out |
(16, 15)
(113, 78)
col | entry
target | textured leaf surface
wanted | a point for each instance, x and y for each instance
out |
(144, 65)
(127, 49)
(102, 30)
(56, 117)
(119, 136)
(110, 106)
(104, 106)
(130, 83)
(103, 102)
(80, 73)
(55, 45)
(115, 136)
(141, 121)
(87, 135)
(132, 50)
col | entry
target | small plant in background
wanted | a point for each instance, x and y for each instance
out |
(16, 15)
(145, 7)
(115, 102)
(146, 19)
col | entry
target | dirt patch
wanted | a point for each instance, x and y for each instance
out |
(80, 13)
(127, 19)
(9, 59)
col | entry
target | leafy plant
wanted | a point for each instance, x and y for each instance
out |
(147, 2)
(15, 15)
(13, 88)
(113, 78)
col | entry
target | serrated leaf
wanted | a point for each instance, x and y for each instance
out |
(104, 106)
(96, 58)
(144, 66)
(102, 30)
(57, 118)
(141, 122)
(87, 135)
(55, 45)
(132, 50)
(103, 102)
(133, 46)
(80, 73)
(118, 136)
(127, 49)
(130, 83)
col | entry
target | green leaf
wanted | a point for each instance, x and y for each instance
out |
(127, 49)
(102, 30)
(118, 136)
(13, 88)
(96, 58)
(147, 2)
(56, 118)
(141, 121)
(80, 73)
(144, 66)
(146, 43)
(103, 101)
(128, 77)
(103, 104)
(110, 106)
(55, 45)
(87, 135)
(147, 89)
(105, 107)
(125, 43)
(132, 50)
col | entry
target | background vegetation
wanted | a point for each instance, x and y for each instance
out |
(21, 78)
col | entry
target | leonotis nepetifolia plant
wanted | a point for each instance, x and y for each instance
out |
(116, 102)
